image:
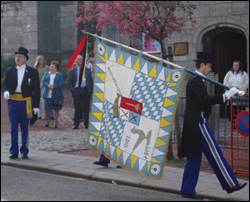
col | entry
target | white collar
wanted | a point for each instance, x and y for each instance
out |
(201, 75)
(51, 73)
(21, 67)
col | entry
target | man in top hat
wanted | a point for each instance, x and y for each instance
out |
(21, 87)
(197, 136)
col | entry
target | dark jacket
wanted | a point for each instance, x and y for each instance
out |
(197, 100)
(30, 84)
(73, 78)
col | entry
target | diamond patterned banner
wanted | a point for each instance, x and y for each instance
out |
(134, 105)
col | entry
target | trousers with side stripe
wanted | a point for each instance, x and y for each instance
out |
(213, 153)
(18, 114)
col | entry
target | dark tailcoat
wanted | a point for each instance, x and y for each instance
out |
(197, 101)
(30, 84)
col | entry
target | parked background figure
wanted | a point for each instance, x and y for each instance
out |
(89, 65)
(42, 68)
(238, 78)
(52, 85)
(21, 88)
(81, 90)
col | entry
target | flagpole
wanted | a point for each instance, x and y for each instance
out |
(241, 93)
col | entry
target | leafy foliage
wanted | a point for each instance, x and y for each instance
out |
(157, 19)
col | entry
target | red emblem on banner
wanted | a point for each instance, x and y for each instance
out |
(131, 105)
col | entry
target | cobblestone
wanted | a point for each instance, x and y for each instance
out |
(49, 139)
(53, 140)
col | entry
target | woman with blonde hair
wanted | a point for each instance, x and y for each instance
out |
(42, 68)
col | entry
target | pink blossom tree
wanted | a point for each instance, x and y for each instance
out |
(157, 19)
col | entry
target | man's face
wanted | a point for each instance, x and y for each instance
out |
(79, 61)
(206, 68)
(20, 59)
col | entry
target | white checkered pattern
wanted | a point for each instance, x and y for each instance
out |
(111, 128)
(151, 93)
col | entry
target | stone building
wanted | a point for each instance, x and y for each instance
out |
(43, 27)
(46, 27)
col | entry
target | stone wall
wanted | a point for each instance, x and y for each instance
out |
(212, 15)
(19, 27)
(46, 27)
(43, 27)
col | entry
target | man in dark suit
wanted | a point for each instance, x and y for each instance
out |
(21, 87)
(197, 136)
(81, 90)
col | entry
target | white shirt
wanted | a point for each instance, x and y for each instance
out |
(51, 82)
(240, 81)
(20, 74)
(83, 84)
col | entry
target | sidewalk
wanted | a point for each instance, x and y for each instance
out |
(47, 144)
(44, 157)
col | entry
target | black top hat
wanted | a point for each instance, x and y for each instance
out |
(23, 51)
(204, 57)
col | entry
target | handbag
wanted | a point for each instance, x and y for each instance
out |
(57, 100)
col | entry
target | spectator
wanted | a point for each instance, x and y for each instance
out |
(81, 90)
(42, 68)
(22, 90)
(237, 77)
(52, 85)
(89, 65)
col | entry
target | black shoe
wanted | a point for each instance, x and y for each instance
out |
(13, 156)
(46, 125)
(101, 163)
(118, 167)
(75, 127)
(236, 188)
(24, 156)
(196, 197)
(55, 126)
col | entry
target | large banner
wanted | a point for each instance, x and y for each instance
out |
(134, 105)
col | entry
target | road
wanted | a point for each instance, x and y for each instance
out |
(24, 185)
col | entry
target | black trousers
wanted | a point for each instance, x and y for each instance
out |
(81, 104)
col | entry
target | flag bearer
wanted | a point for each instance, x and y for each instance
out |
(21, 87)
(197, 136)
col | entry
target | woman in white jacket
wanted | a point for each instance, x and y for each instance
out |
(237, 77)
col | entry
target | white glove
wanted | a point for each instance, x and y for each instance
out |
(231, 92)
(36, 110)
(6, 95)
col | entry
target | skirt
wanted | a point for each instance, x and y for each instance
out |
(49, 106)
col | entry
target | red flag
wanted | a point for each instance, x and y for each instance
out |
(131, 105)
(77, 52)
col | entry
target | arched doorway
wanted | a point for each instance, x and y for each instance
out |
(226, 45)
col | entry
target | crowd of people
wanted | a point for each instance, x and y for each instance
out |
(38, 91)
